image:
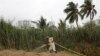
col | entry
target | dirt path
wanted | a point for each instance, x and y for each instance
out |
(23, 53)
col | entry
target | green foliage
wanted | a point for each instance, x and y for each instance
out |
(72, 12)
(27, 39)
(88, 9)
(41, 24)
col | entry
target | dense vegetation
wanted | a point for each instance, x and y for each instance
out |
(85, 39)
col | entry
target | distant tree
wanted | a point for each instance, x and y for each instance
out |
(88, 9)
(41, 24)
(72, 12)
(62, 25)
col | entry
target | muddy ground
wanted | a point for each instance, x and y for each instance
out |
(24, 53)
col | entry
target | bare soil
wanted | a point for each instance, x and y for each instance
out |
(24, 53)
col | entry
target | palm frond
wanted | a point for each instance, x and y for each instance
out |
(88, 13)
(80, 15)
(69, 15)
(67, 10)
(71, 20)
(92, 15)
(95, 11)
(87, 8)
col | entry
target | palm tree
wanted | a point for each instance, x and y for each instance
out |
(88, 9)
(72, 12)
(62, 28)
(62, 25)
(41, 24)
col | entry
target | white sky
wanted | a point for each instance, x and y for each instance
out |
(33, 9)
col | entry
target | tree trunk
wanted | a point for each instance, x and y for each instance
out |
(91, 18)
(77, 26)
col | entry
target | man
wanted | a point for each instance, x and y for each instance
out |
(51, 44)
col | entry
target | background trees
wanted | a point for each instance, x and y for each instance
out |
(72, 12)
(41, 24)
(88, 9)
(12, 37)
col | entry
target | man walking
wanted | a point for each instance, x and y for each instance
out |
(51, 44)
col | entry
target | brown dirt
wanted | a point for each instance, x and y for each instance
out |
(23, 53)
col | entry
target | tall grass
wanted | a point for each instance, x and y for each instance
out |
(12, 37)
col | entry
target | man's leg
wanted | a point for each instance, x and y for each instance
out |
(50, 49)
(54, 48)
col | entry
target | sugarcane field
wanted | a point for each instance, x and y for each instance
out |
(49, 28)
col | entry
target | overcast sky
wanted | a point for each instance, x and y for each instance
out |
(33, 9)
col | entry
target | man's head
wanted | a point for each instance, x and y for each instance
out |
(50, 39)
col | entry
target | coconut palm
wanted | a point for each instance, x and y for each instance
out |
(41, 24)
(72, 12)
(62, 25)
(62, 28)
(88, 9)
